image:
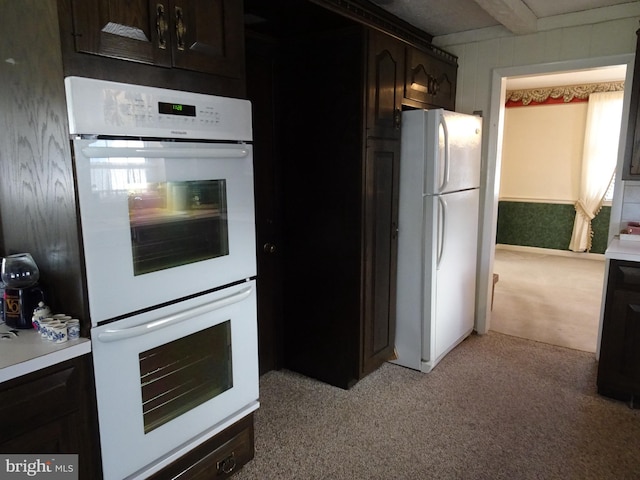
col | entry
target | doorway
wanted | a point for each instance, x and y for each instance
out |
(546, 292)
(493, 142)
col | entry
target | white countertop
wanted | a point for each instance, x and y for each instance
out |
(623, 250)
(28, 352)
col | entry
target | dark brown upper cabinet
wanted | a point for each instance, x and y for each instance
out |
(385, 71)
(430, 79)
(631, 169)
(199, 35)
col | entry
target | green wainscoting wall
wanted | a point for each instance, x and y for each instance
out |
(546, 225)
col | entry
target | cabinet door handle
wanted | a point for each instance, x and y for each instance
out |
(161, 26)
(181, 28)
(397, 118)
(227, 465)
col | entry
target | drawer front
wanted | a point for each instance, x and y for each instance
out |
(217, 458)
(37, 399)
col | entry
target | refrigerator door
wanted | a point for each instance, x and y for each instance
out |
(451, 151)
(449, 272)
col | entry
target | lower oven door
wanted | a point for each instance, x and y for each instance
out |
(169, 379)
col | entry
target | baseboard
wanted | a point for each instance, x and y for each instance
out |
(551, 251)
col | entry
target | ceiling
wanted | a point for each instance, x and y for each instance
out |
(444, 17)
(520, 17)
(599, 75)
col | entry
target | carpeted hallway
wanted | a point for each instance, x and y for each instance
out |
(548, 298)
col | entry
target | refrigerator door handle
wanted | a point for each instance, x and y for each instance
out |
(442, 222)
(445, 130)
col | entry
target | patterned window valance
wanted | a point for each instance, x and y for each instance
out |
(566, 94)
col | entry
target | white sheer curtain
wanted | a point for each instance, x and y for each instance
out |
(599, 157)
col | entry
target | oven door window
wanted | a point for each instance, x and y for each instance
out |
(177, 223)
(178, 376)
(173, 222)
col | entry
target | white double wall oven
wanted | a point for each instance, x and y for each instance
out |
(164, 185)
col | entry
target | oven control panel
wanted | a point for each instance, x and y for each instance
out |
(98, 107)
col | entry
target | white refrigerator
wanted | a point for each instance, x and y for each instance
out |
(438, 234)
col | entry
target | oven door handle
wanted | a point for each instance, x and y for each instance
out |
(170, 152)
(125, 333)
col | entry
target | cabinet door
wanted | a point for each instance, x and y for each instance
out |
(384, 85)
(132, 30)
(382, 174)
(631, 169)
(55, 436)
(430, 80)
(619, 365)
(201, 35)
(209, 36)
(52, 411)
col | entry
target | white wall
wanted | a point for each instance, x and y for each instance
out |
(580, 41)
(479, 55)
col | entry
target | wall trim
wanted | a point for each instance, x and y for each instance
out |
(606, 203)
(551, 251)
(537, 200)
(372, 15)
(567, 94)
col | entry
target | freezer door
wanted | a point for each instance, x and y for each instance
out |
(450, 272)
(452, 152)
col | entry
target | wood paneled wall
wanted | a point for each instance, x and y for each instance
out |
(37, 200)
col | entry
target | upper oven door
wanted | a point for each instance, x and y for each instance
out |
(162, 220)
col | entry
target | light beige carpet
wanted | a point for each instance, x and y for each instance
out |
(548, 298)
(496, 408)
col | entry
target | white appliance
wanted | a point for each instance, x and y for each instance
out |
(438, 234)
(164, 183)
(143, 156)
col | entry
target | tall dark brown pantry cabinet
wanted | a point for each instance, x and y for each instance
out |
(327, 137)
(340, 150)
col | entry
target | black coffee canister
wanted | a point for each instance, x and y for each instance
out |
(19, 304)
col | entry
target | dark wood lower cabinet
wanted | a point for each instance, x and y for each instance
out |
(217, 458)
(619, 364)
(52, 411)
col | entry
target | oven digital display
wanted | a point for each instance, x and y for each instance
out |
(177, 109)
